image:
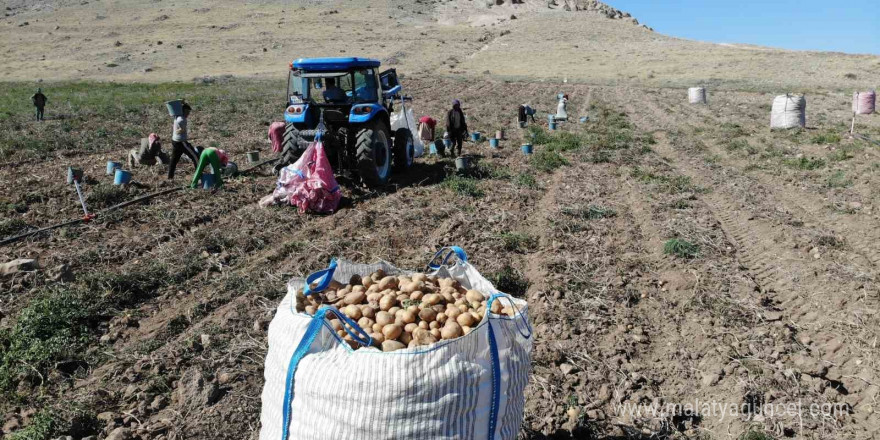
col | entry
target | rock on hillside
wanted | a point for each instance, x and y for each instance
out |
(593, 6)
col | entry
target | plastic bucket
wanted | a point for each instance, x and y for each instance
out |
(522, 124)
(447, 143)
(121, 177)
(432, 149)
(112, 166)
(584, 119)
(493, 143)
(208, 181)
(462, 163)
(175, 108)
(553, 126)
(527, 148)
(475, 136)
(499, 134)
(231, 169)
(73, 174)
(551, 118)
(253, 156)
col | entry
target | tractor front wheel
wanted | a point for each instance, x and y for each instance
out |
(374, 154)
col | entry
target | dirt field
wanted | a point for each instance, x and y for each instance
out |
(674, 256)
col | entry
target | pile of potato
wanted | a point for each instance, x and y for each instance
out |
(403, 311)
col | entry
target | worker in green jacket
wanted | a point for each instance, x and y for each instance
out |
(217, 159)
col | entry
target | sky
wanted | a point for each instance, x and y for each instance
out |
(851, 26)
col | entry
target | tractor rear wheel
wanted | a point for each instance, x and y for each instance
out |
(374, 154)
(293, 146)
(404, 149)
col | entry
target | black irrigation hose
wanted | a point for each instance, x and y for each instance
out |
(11, 240)
(867, 139)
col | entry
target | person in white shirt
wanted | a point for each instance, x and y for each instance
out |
(179, 143)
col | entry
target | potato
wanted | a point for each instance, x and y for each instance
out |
(423, 325)
(414, 309)
(441, 317)
(447, 297)
(408, 316)
(333, 296)
(373, 288)
(336, 324)
(378, 275)
(366, 323)
(341, 333)
(477, 317)
(445, 282)
(423, 337)
(419, 277)
(401, 297)
(387, 302)
(355, 298)
(355, 280)
(405, 337)
(389, 345)
(392, 331)
(353, 312)
(388, 283)
(311, 310)
(378, 338)
(435, 332)
(465, 320)
(452, 312)
(461, 302)
(496, 307)
(368, 311)
(411, 327)
(377, 328)
(428, 315)
(353, 344)
(509, 311)
(403, 279)
(417, 295)
(451, 331)
(335, 285)
(394, 310)
(384, 318)
(367, 282)
(439, 308)
(431, 299)
(465, 330)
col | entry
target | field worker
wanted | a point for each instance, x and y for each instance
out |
(525, 112)
(179, 143)
(426, 130)
(561, 114)
(332, 93)
(217, 159)
(456, 126)
(150, 149)
(39, 100)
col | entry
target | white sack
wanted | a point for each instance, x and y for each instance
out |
(399, 119)
(442, 391)
(697, 95)
(789, 111)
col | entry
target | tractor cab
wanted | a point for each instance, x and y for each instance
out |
(353, 99)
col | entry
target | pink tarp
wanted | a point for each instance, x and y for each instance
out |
(308, 183)
(276, 135)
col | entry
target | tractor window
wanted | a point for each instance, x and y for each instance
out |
(365, 85)
(331, 89)
(296, 87)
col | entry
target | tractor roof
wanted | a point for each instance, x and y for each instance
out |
(333, 64)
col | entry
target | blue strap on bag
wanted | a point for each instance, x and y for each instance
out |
(323, 277)
(444, 255)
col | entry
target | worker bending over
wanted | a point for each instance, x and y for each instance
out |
(217, 159)
(151, 148)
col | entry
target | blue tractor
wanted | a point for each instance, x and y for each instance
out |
(346, 102)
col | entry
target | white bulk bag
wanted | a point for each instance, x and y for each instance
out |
(404, 118)
(697, 95)
(472, 387)
(789, 111)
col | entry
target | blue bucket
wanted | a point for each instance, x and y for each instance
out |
(112, 166)
(175, 108)
(475, 136)
(432, 149)
(447, 142)
(584, 119)
(553, 126)
(551, 118)
(527, 148)
(208, 181)
(73, 174)
(493, 143)
(121, 177)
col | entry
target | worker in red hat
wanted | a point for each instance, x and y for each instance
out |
(426, 130)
